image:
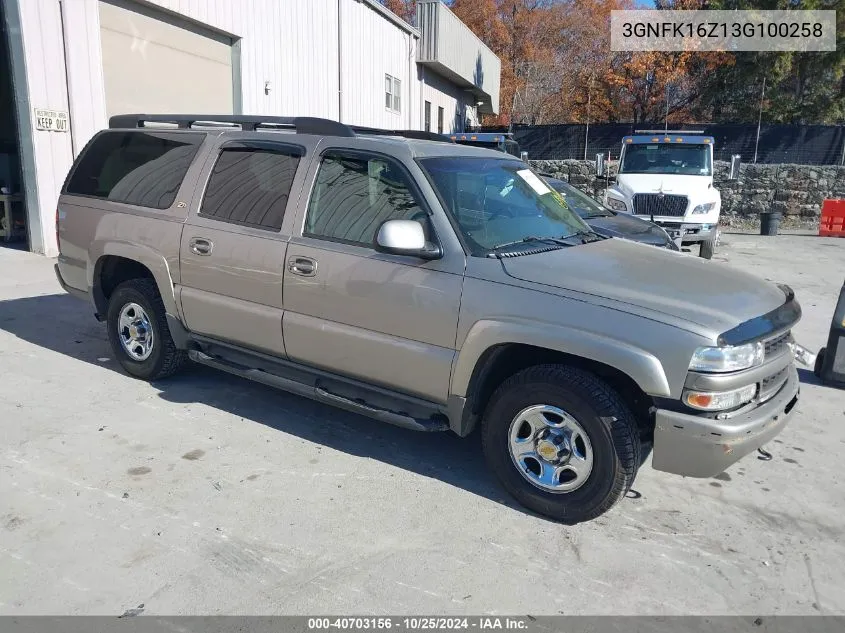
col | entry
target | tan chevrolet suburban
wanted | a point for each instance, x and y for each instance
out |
(429, 285)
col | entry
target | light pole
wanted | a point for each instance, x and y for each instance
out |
(759, 120)
(589, 102)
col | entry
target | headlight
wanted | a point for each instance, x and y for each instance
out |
(719, 401)
(616, 205)
(704, 208)
(721, 359)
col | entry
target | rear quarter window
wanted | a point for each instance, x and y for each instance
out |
(143, 168)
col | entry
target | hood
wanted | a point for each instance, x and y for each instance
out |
(677, 184)
(709, 294)
(630, 227)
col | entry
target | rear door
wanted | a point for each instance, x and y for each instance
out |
(234, 241)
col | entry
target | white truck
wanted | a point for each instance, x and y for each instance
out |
(666, 176)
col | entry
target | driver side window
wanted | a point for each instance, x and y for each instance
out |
(355, 194)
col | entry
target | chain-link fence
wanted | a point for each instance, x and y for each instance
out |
(796, 144)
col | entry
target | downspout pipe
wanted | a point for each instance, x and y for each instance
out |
(340, 60)
(411, 79)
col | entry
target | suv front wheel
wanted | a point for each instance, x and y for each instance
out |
(138, 332)
(561, 441)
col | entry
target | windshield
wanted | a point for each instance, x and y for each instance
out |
(578, 201)
(500, 201)
(665, 158)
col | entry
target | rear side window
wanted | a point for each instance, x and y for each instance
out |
(354, 194)
(251, 187)
(141, 168)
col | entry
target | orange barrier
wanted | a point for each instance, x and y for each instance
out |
(832, 222)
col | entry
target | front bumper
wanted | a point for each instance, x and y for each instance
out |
(695, 446)
(687, 231)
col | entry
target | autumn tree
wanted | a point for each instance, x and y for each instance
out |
(525, 35)
(405, 9)
(557, 66)
(589, 91)
(800, 87)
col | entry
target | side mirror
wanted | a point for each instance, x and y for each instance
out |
(599, 164)
(405, 237)
(735, 161)
(524, 156)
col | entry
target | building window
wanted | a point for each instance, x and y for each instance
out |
(427, 121)
(392, 92)
(440, 120)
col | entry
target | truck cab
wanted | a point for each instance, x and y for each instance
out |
(667, 178)
(500, 141)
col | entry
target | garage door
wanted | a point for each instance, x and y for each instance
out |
(153, 63)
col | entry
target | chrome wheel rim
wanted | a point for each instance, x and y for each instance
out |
(550, 449)
(135, 332)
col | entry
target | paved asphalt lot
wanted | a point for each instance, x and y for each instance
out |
(207, 494)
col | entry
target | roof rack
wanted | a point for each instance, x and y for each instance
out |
(302, 125)
(420, 135)
(668, 131)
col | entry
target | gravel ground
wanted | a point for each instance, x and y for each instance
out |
(207, 494)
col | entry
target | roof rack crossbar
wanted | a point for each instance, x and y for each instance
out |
(303, 125)
(420, 135)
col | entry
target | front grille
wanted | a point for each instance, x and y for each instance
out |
(770, 386)
(659, 204)
(776, 346)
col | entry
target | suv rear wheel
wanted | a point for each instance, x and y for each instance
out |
(138, 331)
(561, 441)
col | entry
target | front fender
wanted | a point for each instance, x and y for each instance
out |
(641, 366)
(153, 260)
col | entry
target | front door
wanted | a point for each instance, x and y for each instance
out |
(386, 319)
(233, 246)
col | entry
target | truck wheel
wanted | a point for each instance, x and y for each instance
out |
(708, 247)
(138, 331)
(561, 441)
(817, 368)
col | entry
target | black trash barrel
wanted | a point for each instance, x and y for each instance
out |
(831, 359)
(769, 223)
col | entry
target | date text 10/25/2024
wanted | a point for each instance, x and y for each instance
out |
(483, 623)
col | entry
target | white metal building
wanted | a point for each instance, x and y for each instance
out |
(67, 65)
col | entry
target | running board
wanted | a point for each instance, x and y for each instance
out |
(315, 392)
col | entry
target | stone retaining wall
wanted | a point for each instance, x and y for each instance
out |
(796, 190)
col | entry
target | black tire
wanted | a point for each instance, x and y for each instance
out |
(708, 248)
(165, 359)
(817, 369)
(606, 419)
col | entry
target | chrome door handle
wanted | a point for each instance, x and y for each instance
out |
(304, 266)
(200, 246)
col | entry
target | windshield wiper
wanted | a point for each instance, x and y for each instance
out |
(553, 242)
(585, 236)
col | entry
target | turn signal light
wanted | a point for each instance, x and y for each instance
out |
(700, 400)
(720, 400)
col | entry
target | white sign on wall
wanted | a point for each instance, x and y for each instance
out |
(51, 120)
